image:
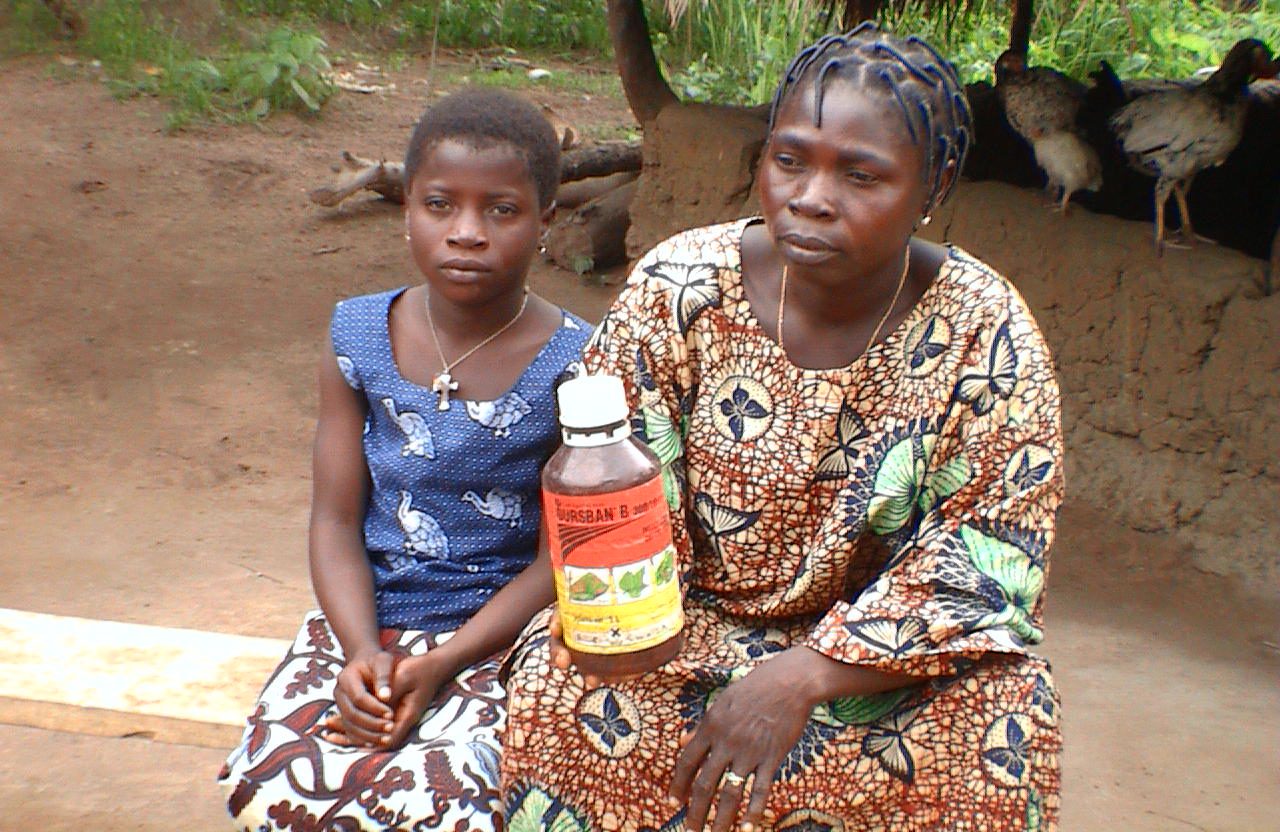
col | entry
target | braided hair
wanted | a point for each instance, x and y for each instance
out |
(920, 81)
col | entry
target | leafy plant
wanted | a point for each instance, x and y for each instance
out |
(289, 72)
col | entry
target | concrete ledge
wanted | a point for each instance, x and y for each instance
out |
(110, 678)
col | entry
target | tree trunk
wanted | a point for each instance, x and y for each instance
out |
(856, 11)
(594, 236)
(1020, 27)
(646, 89)
(68, 16)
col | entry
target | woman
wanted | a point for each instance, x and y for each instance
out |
(862, 435)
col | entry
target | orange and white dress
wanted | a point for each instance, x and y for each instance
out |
(895, 514)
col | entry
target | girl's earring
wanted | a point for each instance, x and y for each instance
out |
(928, 218)
(542, 242)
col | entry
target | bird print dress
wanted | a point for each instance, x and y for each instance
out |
(453, 515)
(895, 514)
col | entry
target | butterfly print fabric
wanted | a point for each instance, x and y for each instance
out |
(896, 514)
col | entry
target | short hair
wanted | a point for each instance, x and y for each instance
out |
(482, 118)
(920, 81)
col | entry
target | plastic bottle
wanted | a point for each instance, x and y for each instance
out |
(617, 579)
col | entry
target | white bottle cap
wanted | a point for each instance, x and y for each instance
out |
(594, 404)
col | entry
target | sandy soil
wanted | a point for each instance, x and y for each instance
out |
(162, 301)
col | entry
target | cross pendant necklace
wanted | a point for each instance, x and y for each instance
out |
(443, 384)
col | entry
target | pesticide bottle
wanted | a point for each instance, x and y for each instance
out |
(617, 579)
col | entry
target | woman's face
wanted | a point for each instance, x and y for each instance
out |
(841, 200)
(473, 220)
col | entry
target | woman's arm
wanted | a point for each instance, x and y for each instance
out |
(755, 722)
(340, 572)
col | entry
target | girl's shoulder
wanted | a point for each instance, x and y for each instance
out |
(566, 343)
(365, 307)
(572, 324)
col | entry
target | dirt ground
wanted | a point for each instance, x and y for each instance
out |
(162, 302)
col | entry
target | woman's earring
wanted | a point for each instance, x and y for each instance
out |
(928, 218)
(542, 242)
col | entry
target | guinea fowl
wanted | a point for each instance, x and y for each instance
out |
(1043, 106)
(1173, 134)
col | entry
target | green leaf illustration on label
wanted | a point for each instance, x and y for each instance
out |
(587, 588)
(632, 583)
(666, 569)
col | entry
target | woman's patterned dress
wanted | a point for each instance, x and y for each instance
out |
(895, 514)
(453, 515)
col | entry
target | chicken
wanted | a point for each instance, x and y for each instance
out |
(1173, 134)
(1037, 100)
(1070, 162)
(1043, 107)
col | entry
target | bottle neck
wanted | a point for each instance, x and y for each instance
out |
(595, 437)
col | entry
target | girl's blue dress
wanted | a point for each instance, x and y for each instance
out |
(453, 515)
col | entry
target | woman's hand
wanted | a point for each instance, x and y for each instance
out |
(363, 696)
(747, 732)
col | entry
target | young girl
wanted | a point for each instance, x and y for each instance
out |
(865, 430)
(436, 415)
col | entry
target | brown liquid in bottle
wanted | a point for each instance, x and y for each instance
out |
(610, 537)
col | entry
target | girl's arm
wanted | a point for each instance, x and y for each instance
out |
(340, 573)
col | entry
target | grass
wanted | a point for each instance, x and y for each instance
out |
(270, 69)
(595, 84)
(728, 51)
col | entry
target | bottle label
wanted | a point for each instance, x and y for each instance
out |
(615, 568)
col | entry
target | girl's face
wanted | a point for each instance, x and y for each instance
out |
(473, 220)
(841, 199)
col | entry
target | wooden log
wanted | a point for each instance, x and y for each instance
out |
(594, 235)
(387, 178)
(570, 195)
(382, 177)
(600, 160)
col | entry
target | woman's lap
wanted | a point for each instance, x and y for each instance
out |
(281, 776)
(978, 750)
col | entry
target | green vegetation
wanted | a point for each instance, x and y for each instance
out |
(1140, 38)
(271, 69)
(732, 51)
(503, 72)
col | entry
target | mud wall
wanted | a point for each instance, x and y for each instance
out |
(1170, 366)
(1170, 370)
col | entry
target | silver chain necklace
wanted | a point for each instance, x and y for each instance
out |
(443, 384)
